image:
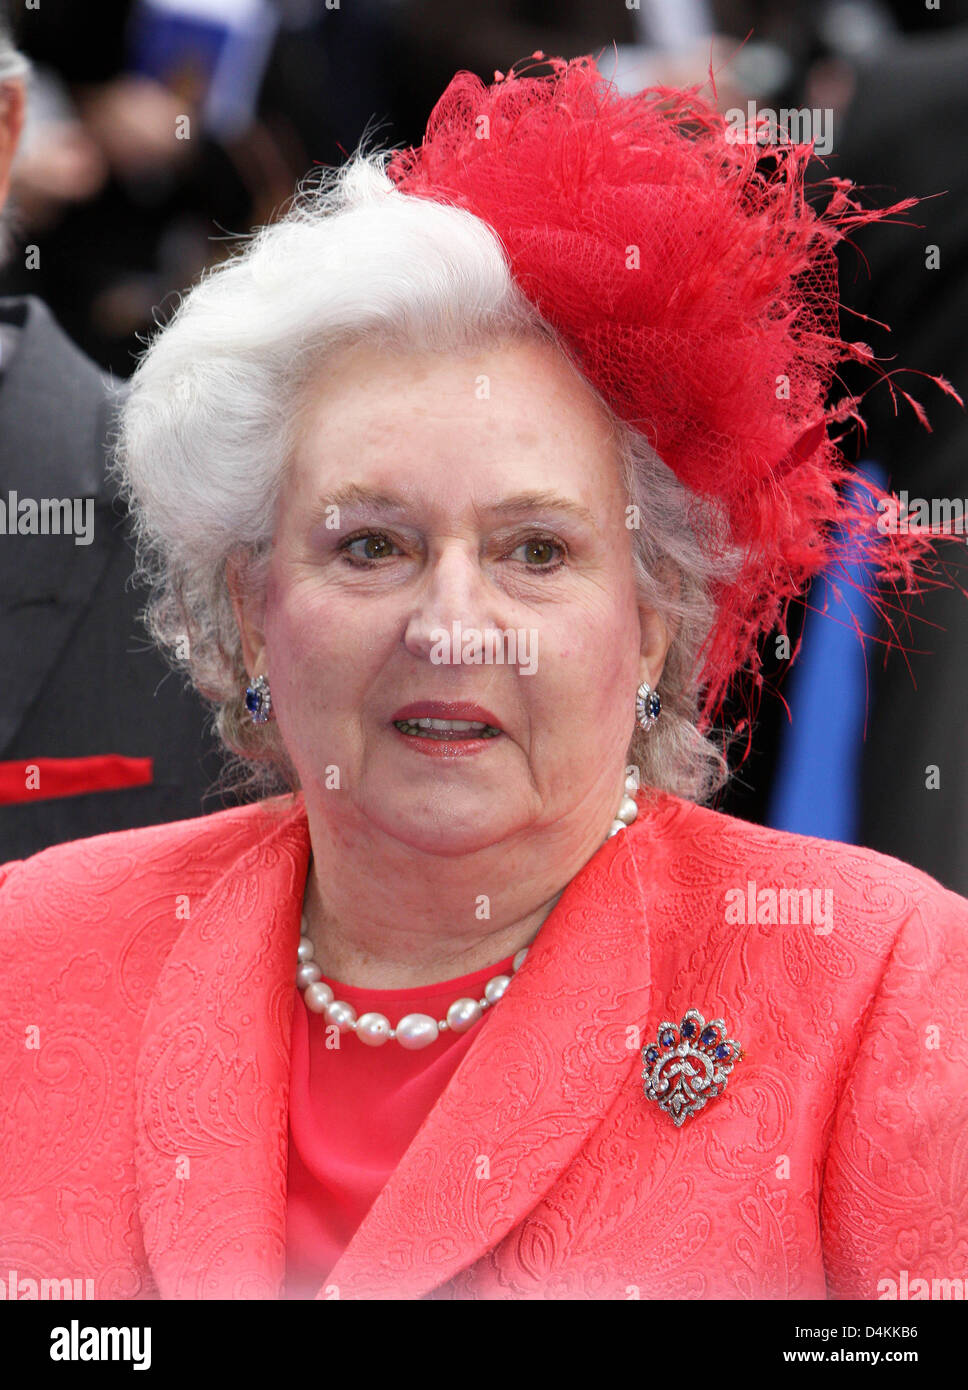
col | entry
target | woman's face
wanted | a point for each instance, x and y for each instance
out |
(437, 508)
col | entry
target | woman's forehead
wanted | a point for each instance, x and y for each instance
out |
(469, 430)
(522, 397)
(492, 379)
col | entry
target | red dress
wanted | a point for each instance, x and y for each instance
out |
(353, 1111)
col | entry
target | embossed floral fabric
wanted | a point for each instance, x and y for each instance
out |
(146, 1003)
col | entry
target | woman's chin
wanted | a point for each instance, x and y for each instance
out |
(446, 825)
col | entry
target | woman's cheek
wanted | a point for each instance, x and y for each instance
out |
(302, 622)
(593, 670)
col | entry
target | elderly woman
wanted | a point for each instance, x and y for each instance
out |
(467, 488)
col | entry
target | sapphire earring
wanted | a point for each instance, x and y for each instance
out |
(648, 706)
(258, 700)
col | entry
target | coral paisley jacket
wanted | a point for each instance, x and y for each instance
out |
(146, 997)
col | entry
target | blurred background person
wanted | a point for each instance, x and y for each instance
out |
(157, 96)
(905, 114)
(96, 733)
(192, 120)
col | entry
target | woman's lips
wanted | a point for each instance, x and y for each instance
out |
(452, 746)
(445, 709)
(446, 728)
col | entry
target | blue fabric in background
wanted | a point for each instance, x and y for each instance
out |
(224, 45)
(816, 785)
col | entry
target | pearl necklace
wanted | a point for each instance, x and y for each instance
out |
(415, 1031)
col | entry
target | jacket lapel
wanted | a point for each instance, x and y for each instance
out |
(212, 1078)
(543, 1071)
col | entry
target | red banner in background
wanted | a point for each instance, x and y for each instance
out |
(42, 779)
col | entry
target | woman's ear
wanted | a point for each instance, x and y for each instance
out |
(657, 632)
(656, 638)
(248, 603)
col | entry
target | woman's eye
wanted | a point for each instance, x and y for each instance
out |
(540, 552)
(372, 546)
(537, 552)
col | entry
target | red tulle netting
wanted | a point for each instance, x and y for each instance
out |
(696, 288)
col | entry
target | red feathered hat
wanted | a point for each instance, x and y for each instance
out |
(696, 288)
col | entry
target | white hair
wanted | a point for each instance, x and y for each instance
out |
(211, 416)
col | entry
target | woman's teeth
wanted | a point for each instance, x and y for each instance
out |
(446, 728)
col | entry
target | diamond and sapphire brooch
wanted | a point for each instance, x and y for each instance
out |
(688, 1065)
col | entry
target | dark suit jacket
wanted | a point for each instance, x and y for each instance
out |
(78, 675)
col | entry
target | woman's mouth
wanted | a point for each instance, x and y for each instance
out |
(446, 730)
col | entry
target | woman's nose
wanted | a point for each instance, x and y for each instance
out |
(453, 589)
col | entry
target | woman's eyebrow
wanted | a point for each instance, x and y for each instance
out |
(543, 501)
(355, 495)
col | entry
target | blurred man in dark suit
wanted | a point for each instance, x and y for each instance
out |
(895, 780)
(96, 733)
(905, 130)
